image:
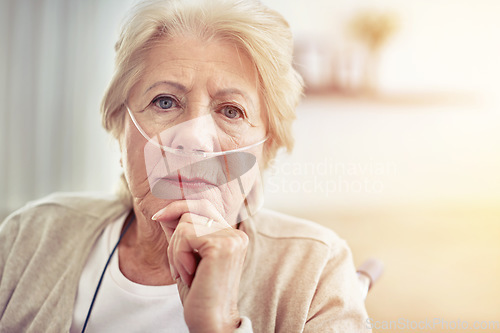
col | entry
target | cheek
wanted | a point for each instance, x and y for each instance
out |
(244, 197)
(132, 152)
(249, 176)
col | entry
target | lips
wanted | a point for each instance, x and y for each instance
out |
(175, 185)
(172, 188)
(188, 182)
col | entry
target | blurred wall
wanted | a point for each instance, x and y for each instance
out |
(428, 137)
(56, 58)
(440, 45)
(408, 174)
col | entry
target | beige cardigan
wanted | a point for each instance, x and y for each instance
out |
(298, 276)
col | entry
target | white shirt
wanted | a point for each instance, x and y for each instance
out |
(122, 305)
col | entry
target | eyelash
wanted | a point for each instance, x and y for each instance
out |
(237, 107)
(219, 108)
(157, 98)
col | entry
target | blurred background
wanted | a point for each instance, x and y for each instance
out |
(397, 138)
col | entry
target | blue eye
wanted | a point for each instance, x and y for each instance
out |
(165, 102)
(231, 112)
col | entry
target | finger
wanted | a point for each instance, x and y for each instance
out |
(187, 259)
(188, 262)
(184, 258)
(183, 289)
(198, 212)
(171, 213)
(222, 255)
(169, 230)
(170, 258)
(185, 276)
(202, 225)
(225, 241)
(182, 261)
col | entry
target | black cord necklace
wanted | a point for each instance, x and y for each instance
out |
(130, 218)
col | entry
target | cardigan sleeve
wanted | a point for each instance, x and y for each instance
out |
(8, 233)
(337, 305)
(41, 255)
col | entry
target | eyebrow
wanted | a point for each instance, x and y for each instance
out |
(234, 91)
(173, 84)
(231, 91)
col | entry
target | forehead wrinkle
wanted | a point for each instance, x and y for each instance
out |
(221, 79)
(176, 77)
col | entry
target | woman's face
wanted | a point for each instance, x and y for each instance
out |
(194, 96)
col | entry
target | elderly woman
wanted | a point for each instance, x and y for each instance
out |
(202, 98)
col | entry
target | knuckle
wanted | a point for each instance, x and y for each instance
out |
(233, 244)
(242, 237)
(182, 230)
(186, 217)
(205, 203)
(212, 252)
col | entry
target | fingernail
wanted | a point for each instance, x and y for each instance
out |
(157, 214)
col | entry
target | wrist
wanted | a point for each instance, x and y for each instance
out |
(217, 324)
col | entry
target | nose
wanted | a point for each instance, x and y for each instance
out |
(198, 134)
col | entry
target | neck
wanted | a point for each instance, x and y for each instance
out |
(142, 253)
